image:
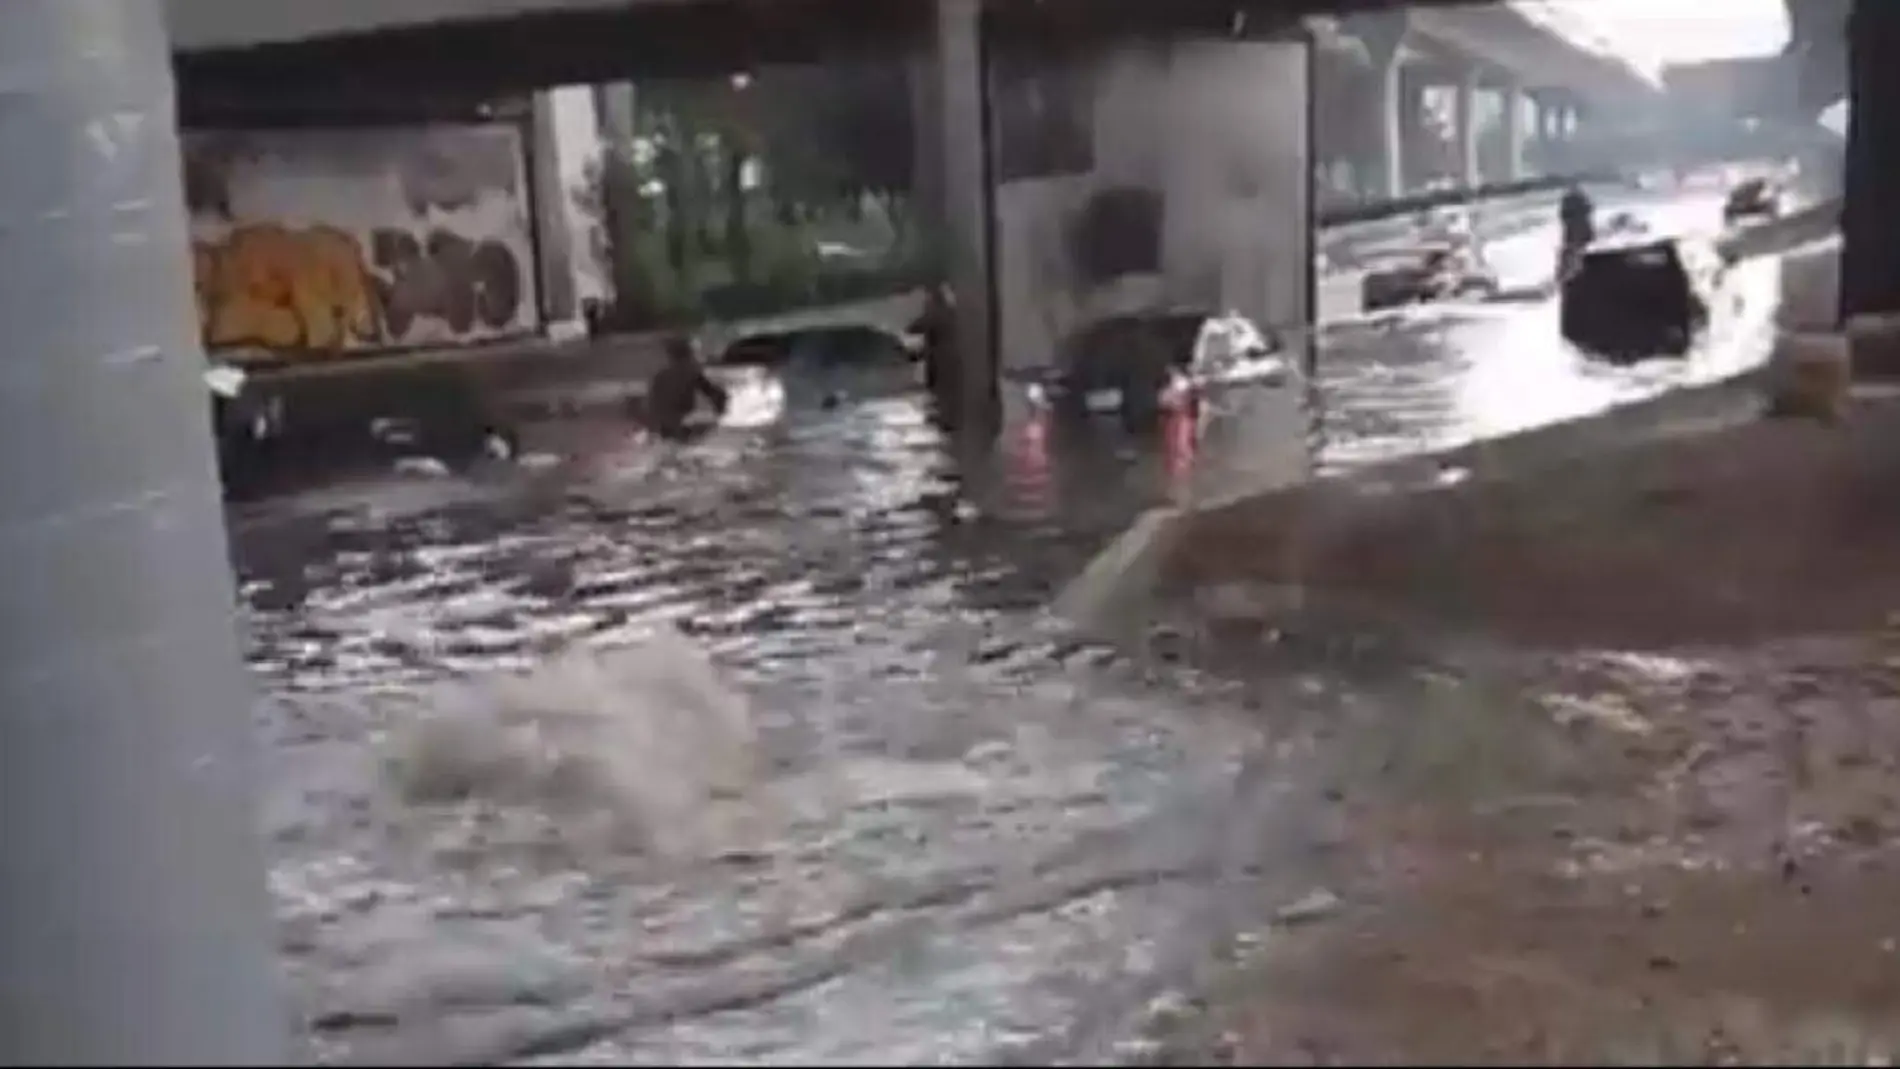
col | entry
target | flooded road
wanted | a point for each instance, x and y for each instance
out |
(993, 810)
(1435, 378)
(968, 836)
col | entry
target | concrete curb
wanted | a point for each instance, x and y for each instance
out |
(1146, 558)
(1685, 410)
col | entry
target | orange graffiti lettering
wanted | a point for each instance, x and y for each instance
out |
(273, 287)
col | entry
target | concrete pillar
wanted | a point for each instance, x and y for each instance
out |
(1383, 37)
(1555, 125)
(1414, 133)
(1470, 165)
(1870, 213)
(617, 116)
(565, 128)
(133, 905)
(1537, 139)
(967, 210)
(1516, 103)
(927, 159)
(616, 103)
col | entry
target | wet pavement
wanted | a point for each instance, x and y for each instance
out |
(1639, 809)
(1434, 378)
(969, 837)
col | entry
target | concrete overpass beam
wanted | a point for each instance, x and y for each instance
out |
(1538, 139)
(565, 131)
(963, 149)
(1516, 122)
(1383, 36)
(133, 905)
(926, 131)
(616, 103)
(1470, 164)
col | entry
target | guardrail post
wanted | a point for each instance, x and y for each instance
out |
(134, 918)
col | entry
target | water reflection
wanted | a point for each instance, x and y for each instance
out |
(1440, 376)
(879, 598)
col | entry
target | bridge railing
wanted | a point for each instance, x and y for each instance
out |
(1377, 211)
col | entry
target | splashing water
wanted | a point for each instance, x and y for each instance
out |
(644, 740)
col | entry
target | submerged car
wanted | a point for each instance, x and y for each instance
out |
(827, 363)
(1434, 271)
(1134, 368)
(1634, 299)
(847, 345)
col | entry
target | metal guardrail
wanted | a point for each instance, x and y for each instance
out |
(1347, 215)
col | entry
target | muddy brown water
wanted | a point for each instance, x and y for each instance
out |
(990, 839)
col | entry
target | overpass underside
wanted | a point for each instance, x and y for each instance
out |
(1078, 157)
(682, 38)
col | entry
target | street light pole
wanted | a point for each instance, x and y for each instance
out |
(134, 918)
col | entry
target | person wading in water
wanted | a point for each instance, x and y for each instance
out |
(937, 327)
(674, 392)
(1576, 218)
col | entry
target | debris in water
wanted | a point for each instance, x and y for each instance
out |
(1315, 905)
(426, 466)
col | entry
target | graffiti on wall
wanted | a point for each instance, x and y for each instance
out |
(273, 287)
(312, 289)
(326, 242)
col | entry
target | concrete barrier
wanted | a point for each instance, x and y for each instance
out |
(1804, 226)
(1810, 375)
(1359, 214)
(1274, 523)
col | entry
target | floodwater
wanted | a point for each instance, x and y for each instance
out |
(874, 806)
(1437, 378)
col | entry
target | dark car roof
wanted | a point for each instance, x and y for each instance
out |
(1633, 244)
(1105, 343)
(1173, 326)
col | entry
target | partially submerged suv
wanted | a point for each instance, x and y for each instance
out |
(1634, 299)
(1136, 367)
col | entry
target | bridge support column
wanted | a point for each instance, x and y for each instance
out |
(1540, 139)
(1383, 35)
(1516, 104)
(963, 168)
(1870, 211)
(1470, 164)
(133, 905)
(565, 127)
(1560, 125)
(926, 157)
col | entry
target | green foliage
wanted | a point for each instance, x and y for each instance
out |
(733, 192)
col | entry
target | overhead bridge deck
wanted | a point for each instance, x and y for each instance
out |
(228, 48)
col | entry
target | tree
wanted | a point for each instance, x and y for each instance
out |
(834, 133)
